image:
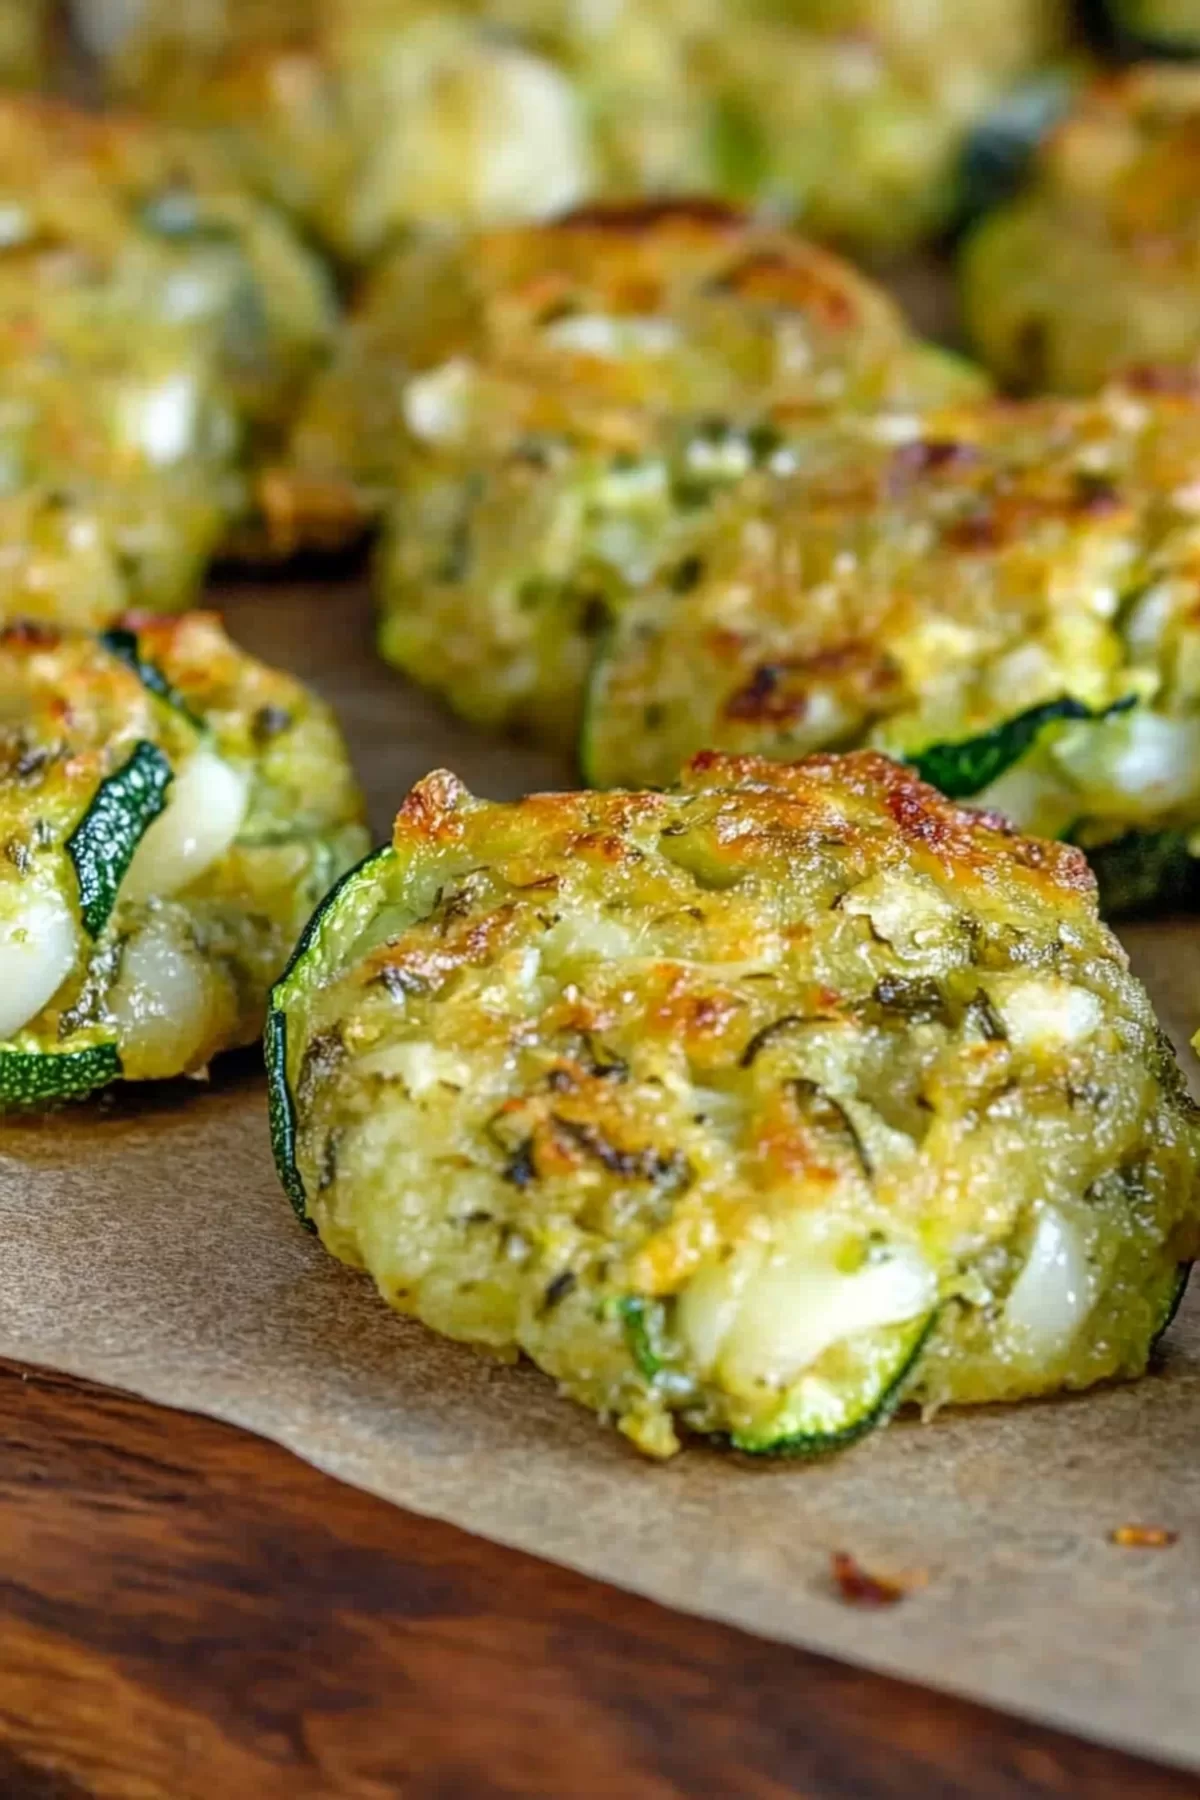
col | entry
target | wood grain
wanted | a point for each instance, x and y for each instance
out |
(191, 1612)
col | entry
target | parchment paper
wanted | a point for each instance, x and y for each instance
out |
(146, 1244)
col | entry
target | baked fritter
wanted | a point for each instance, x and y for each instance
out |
(752, 1108)
(1009, 599)
(572, 397)
(683, 306)
(118, 452)
(371, 118)
(157, 221)
(170, 812)
(1096, 267)
(156, 328)
(365, 118)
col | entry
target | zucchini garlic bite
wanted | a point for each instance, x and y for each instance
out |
(371, 120)
(1007, 601)
(749, 1109)
(117, 453)
(92, 201)
(361, 120)
(171, 811)
(572, 398)
(1096, 267)
(669, 307)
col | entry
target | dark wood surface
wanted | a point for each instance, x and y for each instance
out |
(188, 1611)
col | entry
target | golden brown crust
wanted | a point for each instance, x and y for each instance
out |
(157, 950)
(896, 804)
(569, 1073)
(1011, 557)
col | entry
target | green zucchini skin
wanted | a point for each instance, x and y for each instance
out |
(281, 1113)
(34, 1079)
(1146, 872)
(123, 644)
(964, 769)
(102, 845)
(281, 1104)
(1000, 151)
(1173, 1305)
(877, 1412)
(642, 1320)
(637, 1317)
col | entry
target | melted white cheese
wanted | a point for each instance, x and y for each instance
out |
(1053, 1293)
(1044, 1014)
(532, 157)
(435, 404)
(607, 334)
(419, 1064)
(763, 1318)
(908, 912)
(1136, 766)
(160, 1003)
(162, 423)
(38, 940)
(203, 816)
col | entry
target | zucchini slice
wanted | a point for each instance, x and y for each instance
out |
(1000, 150)
(964, 769)
(859, 1384)
(101, 846)
(1175, 1300)
(123, 644)
(1145, 871)
(34, 1078)
(327, 939)
(281, 1114)
(642, 1322)
(858, 1392)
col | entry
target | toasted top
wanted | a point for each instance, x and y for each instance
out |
(610, 289)
(366, 116)
(1126, 154)
(772, 834)
(922, 592)
(594, 326)
(628, 1010)
(78, 180)
(1096, 266)
(96, 393)
(74, 707)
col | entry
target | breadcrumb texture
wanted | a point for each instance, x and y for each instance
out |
(554, 405)
(748, 1108)
(369, 118)
(170, 813)
(1007, 563)
(158, 324)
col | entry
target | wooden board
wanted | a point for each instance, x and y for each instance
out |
(190, 1612)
